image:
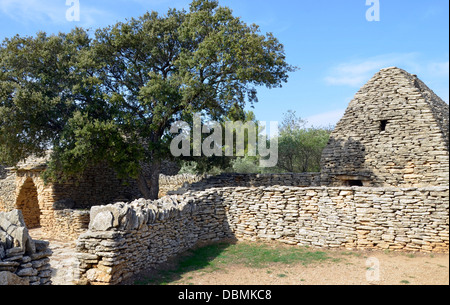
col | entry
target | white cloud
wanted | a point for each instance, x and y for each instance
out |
(325, 119)
(33, 10)
(435, 73)
(357, 72)
(49, 12)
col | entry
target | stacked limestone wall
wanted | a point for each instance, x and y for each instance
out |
(173, 183)
(61, 209)
(23, 261)
(7, 189)
(126, 238)
(414, 219)
(244, 180)
(98, 184)
(395, 132)
(68, 224)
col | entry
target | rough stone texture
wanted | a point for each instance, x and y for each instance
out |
(393, 141)
(10, 279)
(172, 183)
(61, 209)
(200, 183)
(127, 238)
(7, 189)
(24, 261)
(411, 151)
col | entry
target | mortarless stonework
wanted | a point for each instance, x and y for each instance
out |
(124, 239)
(395, 132)
(391, 146)
(384, 184)
(23, 261)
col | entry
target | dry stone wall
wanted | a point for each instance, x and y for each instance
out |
(173, 183)
(414, 219)
(127, 238)
(23, 260)
(7, 189)
(61, 209)
(395, 132)
(68, 224)
(200, 183)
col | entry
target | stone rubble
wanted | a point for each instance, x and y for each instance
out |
(21, 256)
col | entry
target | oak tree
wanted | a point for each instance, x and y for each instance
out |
(111, 97)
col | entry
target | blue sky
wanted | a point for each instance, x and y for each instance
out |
(333, 44)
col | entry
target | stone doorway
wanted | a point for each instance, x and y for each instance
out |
(27, 202)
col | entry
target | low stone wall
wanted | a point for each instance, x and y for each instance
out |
(200, 183)
(410, 219)
(69, 224)
(173, 183)
(7, 193)
(126, 238)
(23, 261)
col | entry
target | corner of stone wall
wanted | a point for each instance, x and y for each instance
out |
(23, 261)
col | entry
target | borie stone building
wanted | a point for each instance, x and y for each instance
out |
(384, 184)
(395, 132)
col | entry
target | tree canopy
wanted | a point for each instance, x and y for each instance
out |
(300, 148)
(111, 97)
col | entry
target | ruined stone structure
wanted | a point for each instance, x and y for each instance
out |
(384, 184)
(395, 132)
(61, 209)
(23, 261)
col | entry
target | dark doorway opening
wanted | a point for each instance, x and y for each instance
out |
(354, 183)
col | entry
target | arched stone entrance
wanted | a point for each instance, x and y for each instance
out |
(27, 202)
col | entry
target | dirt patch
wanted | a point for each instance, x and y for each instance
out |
(342, 268)
(394, 270)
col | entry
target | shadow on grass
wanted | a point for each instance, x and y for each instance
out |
(218, 256)
(202, 257)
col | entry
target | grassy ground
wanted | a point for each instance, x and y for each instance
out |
(216, 257)
(250, 263)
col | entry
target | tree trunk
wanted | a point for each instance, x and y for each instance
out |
(154, 179)
(149, 184)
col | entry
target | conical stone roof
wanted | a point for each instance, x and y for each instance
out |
(395, 132)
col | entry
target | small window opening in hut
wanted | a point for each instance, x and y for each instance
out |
(383, 125)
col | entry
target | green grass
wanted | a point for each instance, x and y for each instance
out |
(218, 256)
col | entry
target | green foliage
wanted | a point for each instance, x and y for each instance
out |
(247, 165)
(217, 164)
(219, 256)
(111, 98)
(300, 148)
(188, 167)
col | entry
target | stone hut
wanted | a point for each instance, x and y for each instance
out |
(395, 132)
(62, 208)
